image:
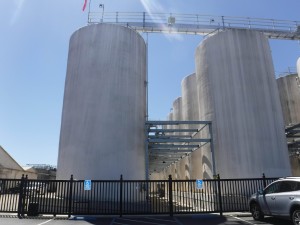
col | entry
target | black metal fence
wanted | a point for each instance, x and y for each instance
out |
(126, 197)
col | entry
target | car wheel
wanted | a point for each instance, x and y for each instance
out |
(296, 217)
(257, 214)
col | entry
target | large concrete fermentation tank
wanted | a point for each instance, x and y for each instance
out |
(298, 67)
(190, 112)
(104, 108)
(177, 116)
(237, 91)
(289, 93)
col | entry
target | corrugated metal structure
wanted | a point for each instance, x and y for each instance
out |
(102, 131)
(237, 91)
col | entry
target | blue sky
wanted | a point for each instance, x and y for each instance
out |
(33, 58)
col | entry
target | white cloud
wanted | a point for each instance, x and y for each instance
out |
(152, 7)
(18, 5)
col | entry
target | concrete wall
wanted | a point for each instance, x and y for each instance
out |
(237, 91)
(289, 93)
(190, 112)
(104, 109)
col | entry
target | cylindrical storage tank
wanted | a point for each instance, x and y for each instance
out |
(298, 67)
(104, 108)
(190, 112)
(289, 93)
(177, 116)
(237, 91)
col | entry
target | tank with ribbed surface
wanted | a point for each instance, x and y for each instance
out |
(289, 92)
(104, 107)
(177, 116)
(190, 112)
(298, 67)
(237, 91)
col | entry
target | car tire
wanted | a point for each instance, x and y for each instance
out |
(256, 212)
(296, 217)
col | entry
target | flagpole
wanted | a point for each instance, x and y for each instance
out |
(89, 11)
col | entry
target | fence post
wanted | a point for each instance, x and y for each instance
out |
(264, 180)
(121, 195)
(220, 195)
(70, 196)
(170, 196)
(20, 203)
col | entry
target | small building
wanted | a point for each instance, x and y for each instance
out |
(10, 169)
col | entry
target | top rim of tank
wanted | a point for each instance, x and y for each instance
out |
(225, 31)
(286, 75)
(108, 24)
(187, 77)
(178, 99)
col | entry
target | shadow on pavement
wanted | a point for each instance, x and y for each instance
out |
(201, 219)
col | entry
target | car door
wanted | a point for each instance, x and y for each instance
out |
(284, 197)
(267, 200)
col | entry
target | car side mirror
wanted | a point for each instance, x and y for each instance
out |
(260, 192)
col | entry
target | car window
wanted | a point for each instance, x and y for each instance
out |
(286, 186)
(273, 188)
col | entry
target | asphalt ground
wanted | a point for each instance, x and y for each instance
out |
(200, 219)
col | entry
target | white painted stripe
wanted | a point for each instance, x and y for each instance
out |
(243, 220)
(45, 222)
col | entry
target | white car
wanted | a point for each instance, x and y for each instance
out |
(279, 199)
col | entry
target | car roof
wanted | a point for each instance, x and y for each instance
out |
(290, 178)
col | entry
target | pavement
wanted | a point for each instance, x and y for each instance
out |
(195, 219)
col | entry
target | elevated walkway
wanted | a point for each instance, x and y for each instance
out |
(197, 24)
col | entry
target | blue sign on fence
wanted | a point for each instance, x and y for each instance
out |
(199, 184)
(87, 185)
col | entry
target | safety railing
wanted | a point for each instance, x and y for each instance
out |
(197, 24)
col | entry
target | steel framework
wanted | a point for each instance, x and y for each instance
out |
(168, 142)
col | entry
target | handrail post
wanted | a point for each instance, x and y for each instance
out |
(170, 196)
(144, 19)
(121, 195)
(70, 196)
(223, 22)
(220, 195)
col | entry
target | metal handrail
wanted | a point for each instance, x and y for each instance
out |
(197, 24)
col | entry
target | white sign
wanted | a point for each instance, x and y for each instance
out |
(199, 184)
(87, 185)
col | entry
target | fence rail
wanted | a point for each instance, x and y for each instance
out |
(126, 197)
